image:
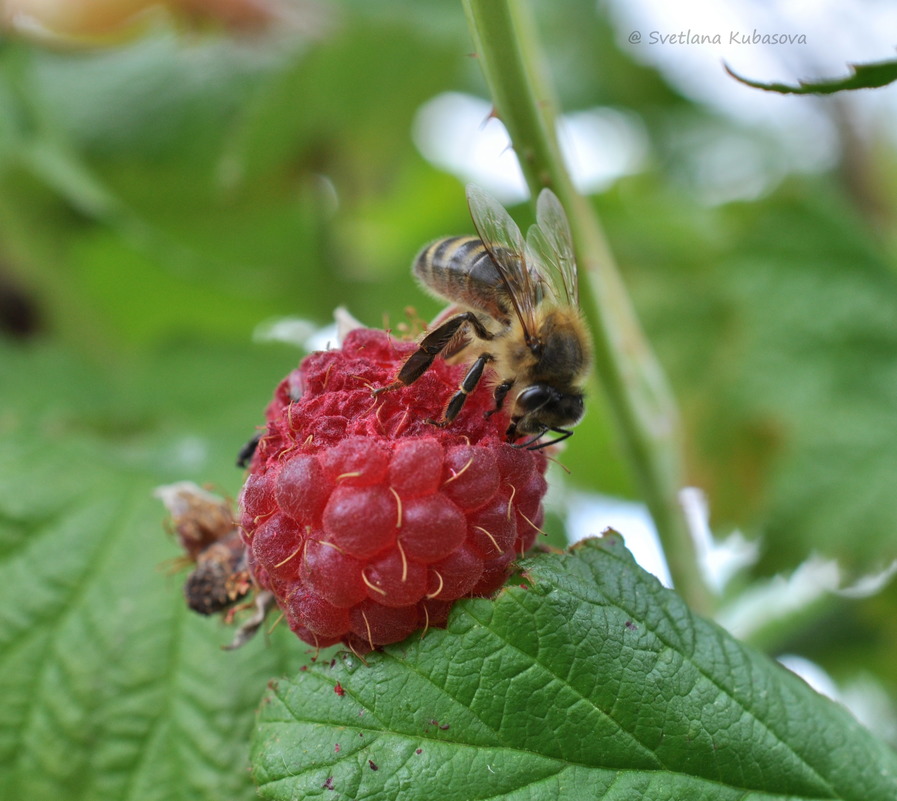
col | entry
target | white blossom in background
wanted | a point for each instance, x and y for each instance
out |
(863, 696)
(589, 514)
(457, 133)
(719, 561)
(305, 334)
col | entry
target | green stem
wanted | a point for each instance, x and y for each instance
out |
(638, 395)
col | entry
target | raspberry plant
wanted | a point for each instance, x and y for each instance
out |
(159, 199)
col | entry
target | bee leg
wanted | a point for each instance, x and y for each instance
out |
(431, 346)
(468, 385)
(531, 443)
(564, 433)
(511, 434)
(501, 392)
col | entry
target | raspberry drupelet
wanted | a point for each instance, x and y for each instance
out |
(366, 520)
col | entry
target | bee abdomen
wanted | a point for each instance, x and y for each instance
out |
(461, 270)
(456, 256)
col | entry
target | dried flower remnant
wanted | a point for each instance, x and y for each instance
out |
(208, 533)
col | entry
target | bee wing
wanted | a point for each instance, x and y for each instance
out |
(550, 247)
(506, 245)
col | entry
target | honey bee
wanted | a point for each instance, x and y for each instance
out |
(515, 307)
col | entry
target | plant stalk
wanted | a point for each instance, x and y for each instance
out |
(638, 395)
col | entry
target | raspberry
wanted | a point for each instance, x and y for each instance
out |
(365, 520)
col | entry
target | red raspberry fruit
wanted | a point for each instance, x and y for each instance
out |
(366, 521)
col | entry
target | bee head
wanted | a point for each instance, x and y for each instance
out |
(542, 407)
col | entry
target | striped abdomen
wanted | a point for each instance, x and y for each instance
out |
(461, 270)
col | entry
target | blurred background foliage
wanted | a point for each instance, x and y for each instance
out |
(164, 194)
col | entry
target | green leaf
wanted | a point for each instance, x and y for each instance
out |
(588, 681)
(862, 76)
(111, 688)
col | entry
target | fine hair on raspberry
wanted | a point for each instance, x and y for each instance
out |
(367, 521)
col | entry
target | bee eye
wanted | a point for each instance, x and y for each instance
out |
(534, 397)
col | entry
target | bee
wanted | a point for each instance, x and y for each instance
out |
(516, 310)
